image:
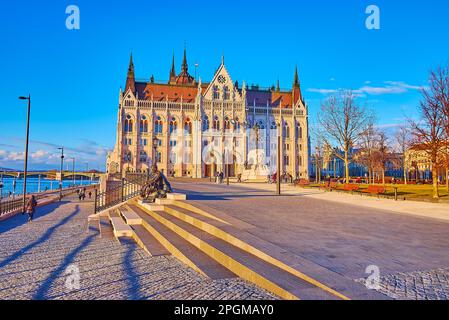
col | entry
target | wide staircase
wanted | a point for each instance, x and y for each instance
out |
(207, 244)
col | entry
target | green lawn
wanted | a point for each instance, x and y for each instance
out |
(411, 192)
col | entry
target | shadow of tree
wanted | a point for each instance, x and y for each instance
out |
(42, 291)
(132, 277)
(41, 240)
(20, 219)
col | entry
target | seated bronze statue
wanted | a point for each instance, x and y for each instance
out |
(156, 187)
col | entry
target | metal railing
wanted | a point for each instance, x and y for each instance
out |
(129, 187)
(7, 206)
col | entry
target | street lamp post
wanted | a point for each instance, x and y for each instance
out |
(25, 169)
(278, 175)
(155, 142)
(87, 170)
(73, 170)
(60, 177)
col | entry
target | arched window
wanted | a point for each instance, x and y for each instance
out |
(299, 131)
(128, 123)
(173, 158)
(216, 93)
(206, 124)
(226, 93)
(216, 124)
(143, 157)
(143, 124)
(188, 126)
(128, 156)
(273, 126)
(158, 125)
(173, 125)
(227, 124)
(261, 125)
(286, 132)
(237, 125)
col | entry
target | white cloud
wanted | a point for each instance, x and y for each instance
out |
(389, 87)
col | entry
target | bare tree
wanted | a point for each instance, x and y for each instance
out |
(365, 154)
(429, 134)
(343, 122)
(382, 154)
(403, 140)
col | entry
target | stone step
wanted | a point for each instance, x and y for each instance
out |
(182, 249)
(120, 228)
(176, 196)
(130, 216)
(244, 264)
(148, 242)
(243, 240)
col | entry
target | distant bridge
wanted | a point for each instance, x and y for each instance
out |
(53, 175)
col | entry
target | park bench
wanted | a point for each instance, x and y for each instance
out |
(376, 190)
(351, 187)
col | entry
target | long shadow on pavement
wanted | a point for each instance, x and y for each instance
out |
(21, 219)
(41, 240)
(132, 277)
(42, 291)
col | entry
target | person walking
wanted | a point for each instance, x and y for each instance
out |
(31, 208)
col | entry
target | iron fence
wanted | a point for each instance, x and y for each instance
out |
(10, 205)
(129, 187)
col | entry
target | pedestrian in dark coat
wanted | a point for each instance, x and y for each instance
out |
(31, 207)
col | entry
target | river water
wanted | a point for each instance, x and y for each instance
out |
(36, 185)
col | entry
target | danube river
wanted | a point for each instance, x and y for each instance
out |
(35, 185)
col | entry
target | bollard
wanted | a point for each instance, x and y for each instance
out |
(395, 193)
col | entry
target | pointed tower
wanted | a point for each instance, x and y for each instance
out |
(172, 78)
(296, 91)
(130, 79)
(278, 86)
(184, 78)
(296, 79)
(185, 66)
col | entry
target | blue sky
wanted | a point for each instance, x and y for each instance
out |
(74, 76)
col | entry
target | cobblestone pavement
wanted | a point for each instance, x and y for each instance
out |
(419, 285)
(342, 238)
(38, 261)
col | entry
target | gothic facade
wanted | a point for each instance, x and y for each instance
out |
(195, 129)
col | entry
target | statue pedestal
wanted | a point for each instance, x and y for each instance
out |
(256, 173)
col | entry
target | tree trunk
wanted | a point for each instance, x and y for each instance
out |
(405, 175)
(447, 179)
(435, 182)
(383, 176)
(347, 165)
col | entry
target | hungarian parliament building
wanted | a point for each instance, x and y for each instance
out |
(197, 129)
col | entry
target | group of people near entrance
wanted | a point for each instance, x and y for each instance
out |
(82, 194)
(219, 177)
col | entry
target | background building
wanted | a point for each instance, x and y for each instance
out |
(197, 123)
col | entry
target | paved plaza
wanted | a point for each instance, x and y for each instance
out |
(335, 241)
(332, 241)
(36, 261)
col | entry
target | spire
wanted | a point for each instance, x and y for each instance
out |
(130, 79)
(184, 67)
(296, 79)
(222, 59)
(172, 70)
(278, 87)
